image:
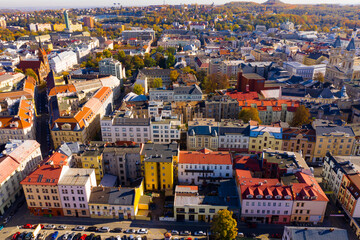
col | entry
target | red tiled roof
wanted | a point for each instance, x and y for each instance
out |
(46, 174)
(7, 166)
(62, 89)
(243, 96)
(308, 187)
(205, 158)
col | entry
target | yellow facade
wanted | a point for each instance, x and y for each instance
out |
(60, 136)
(257, 144)
(308, 211)
(336, 143)
(59, 27)
(159, 175)
(93, 159)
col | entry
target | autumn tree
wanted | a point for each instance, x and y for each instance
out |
(138, 89)
(174, 75)
(215, 81)
(31, 73)
(301, 116)
(224, 226)
(249, 114)
(319, 77)
(170, 61)
(157, 83)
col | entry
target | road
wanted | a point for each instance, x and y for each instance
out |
(42, 123)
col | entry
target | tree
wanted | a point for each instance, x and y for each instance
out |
(215, 81)
(18, 70)
(170, 62)
(138, 89)
(107, 53)
(157, 83)
(30, 73)
(224, 226)
(249, 114)
(138, 62)
(174, 75)
(319, 77)
(301, 116)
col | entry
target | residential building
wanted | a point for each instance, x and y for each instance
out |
(19, 158)
(159, 165)
(143, 34)
(178, 94)
(299, 139)
(63, 61)
(204, 166)
(40, 65)
(88, 21)
(320, 233)
(165, 130)
(41, 190)
(222, 107)
(250, 82)
(167, 41)
(145, 77)
(305, 71)
(40, 27)
(123, 162)
(338, 140)
(123, 127)
(110, 66)
(349, 194)
(288, 26)
(93, 159)
(233, 136)
(75, 189)
(192, 207)
(115, 203)
(202, 133)
(85, 123)
(262, 137)
(229, 67)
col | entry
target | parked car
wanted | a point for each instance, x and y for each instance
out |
(185, 233)
(6, 220)
(15, 236)
(22, 235)
(104, 229)
(98, 237)
(92, 229)
(71, 236)
(142, 231)
(240, 234)
(83, 237)
(79, 228)
(65, 236)
(27, 226)
(91, 237)
(54, 235)
(129, 231)
(117, 230)
(199, 233)
(61, 227)
(77, 236)
(138, 237)
(29, 236)
(131, 237)
(117, 237)
(174, 232)
(49, 226)
(40, 236)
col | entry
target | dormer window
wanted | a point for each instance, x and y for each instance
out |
(306, 197)
(278, 197)
(249, 196)
(259, 196)
(287, 197)
(268, 197)
(313, 197)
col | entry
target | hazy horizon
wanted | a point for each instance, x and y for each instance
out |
(45, 4)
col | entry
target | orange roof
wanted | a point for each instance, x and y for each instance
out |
(58, 159)
(46, 174)
(243, 96)
(261, 104)
(205, 158)
(62, 89)
(23, 119)
(7, 166)
(103, 93)
(308, 187)
(242, 173)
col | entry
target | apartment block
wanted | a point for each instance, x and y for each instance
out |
(262, 137)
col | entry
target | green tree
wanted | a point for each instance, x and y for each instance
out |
(249, 114)
(224, 226)
(157, 83)
(138, 62)
(174, 75)
(188, 69)
(138, 89)
(170, 61)
(149, 61)
(215, 81)
(301, 116)
(18, 70)
(31, 73)
(107, 53)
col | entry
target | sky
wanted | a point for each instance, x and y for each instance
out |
(31, 4)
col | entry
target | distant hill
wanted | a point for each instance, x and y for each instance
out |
(273, 2)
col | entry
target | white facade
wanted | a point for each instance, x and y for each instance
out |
(230, 141)
(192, 173)
(262, 207)
(163, 95)
(165, 131)
(63, 61)
(333, 178)
(75, 189)
(307, 72)
(23, 157)
(114, 129)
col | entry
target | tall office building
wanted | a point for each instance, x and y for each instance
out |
(88, 22)
(67, 21)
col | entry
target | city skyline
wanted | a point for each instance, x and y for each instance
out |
(43, 4)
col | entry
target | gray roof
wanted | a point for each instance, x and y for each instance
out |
(119, 121)
(337, 42)
(70, 148)
(76, 177)
(317, 233)
(155, 72)
(331, 128)
(351, 45)
(194, 89)
(109, 180)
(112, 196)
(160, 152)
(118, 150)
